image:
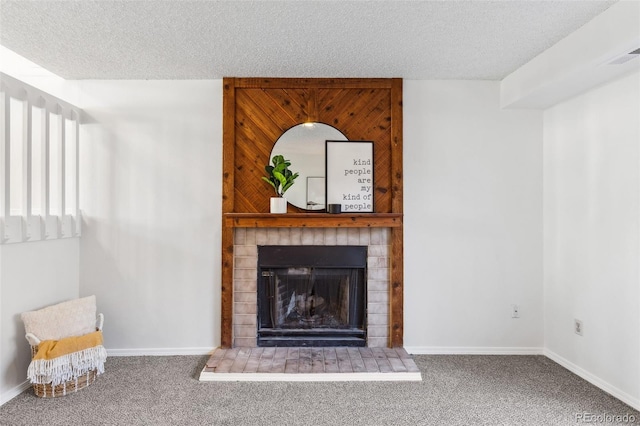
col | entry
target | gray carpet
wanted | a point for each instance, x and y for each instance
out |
(456, 390)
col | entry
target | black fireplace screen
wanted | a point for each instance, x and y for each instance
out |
(318, 299)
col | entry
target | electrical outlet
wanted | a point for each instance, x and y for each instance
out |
(577, 327)
(515, 311)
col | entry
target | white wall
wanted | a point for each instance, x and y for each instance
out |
(150, 171)
(151, 193)
(473, 220)
(33, 275)
(591, 235)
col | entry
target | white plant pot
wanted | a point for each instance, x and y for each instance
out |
(278, 205)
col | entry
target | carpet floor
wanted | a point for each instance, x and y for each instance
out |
(455, 390)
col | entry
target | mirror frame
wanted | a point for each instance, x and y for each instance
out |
(304, 145)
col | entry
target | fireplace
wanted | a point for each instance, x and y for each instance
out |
(246, 276)
(312, 295)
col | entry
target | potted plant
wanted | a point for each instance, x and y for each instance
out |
(280, 178)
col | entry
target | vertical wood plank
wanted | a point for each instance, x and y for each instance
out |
(312, 107)
(228, 155)
(396, 291)
(396, 146)
(226, 332)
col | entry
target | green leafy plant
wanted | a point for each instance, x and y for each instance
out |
(279, 176)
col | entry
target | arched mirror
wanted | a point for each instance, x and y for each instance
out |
(304, 146)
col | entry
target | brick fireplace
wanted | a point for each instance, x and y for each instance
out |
(245, 274)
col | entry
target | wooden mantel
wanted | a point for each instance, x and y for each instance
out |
(256, 111)
(313, 220)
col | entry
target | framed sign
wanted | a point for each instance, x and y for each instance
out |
(349, 175)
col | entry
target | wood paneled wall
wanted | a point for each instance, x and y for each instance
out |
(257, 111)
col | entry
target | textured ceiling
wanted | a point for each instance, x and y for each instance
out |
(87, 39)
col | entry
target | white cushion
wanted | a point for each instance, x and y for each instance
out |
(72, 318)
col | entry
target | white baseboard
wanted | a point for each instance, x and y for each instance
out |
(466, 350)
(13, 392)
(160, 351)
(594, 380)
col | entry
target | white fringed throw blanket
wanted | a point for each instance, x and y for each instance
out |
(58, 361)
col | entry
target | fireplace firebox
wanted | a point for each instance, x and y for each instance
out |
(312, 295)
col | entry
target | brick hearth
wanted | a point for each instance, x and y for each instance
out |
(310, 364)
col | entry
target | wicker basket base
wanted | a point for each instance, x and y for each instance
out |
(49, 391)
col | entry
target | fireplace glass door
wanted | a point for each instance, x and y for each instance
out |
(313, 303)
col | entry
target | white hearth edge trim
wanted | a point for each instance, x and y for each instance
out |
(310, 377)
